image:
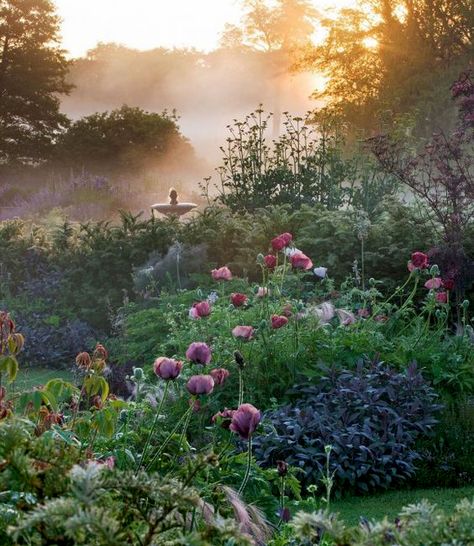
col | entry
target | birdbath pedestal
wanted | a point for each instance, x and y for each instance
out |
(173, 208)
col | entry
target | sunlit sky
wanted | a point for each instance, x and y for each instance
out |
(145, 24)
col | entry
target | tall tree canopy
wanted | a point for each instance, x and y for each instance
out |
(32, 74)
(394, 55)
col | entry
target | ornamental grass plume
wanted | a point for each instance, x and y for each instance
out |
(167, 368)
(199, 353)
(222, 274)
(200, 384)
(345, 317)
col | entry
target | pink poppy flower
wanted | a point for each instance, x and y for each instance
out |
(200, 384)
(278, 243)
(434, 283)
(219, 375)
(199, 353)
(278, 321)
(287, 237)
(270, 261)
(442, 297)
(243, 332)
(245, 421)
(221, 274)
(202, 309)
(224, 418)
(167, 368)
(301, 261)
(238, 299)
(419, 260)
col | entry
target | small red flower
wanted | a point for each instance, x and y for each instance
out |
(270, 261)
(419, 260)
(237, 299)
(448, 284)
(278, 321)
(278, 243)
(442, 297)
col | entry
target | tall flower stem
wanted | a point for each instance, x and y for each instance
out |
(168, 438)
(186, 424)
(153, 426)
(247, 471)
(241, 387)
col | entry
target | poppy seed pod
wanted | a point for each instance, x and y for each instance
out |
(239, 360)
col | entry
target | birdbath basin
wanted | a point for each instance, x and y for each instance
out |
(173, 208)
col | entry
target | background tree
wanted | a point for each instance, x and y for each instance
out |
(395, 56)
(123, 141)
(32, 74)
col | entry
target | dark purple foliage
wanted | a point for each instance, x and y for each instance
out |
(371, 417)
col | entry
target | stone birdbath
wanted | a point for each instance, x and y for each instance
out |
(173, 208)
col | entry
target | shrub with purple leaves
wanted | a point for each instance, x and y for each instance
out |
(371, 416)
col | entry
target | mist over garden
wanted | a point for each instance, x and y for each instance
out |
(280, 352)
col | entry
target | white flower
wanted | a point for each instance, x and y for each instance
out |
(213, 297)
(320, 271)
(346, 317)
(262, 292)
(193, 314)
(325, 312)
(290, 250)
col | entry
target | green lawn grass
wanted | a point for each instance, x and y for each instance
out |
(28, 378)
(390, 503)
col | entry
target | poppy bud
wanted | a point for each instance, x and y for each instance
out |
(239, 359)
(282, 468)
